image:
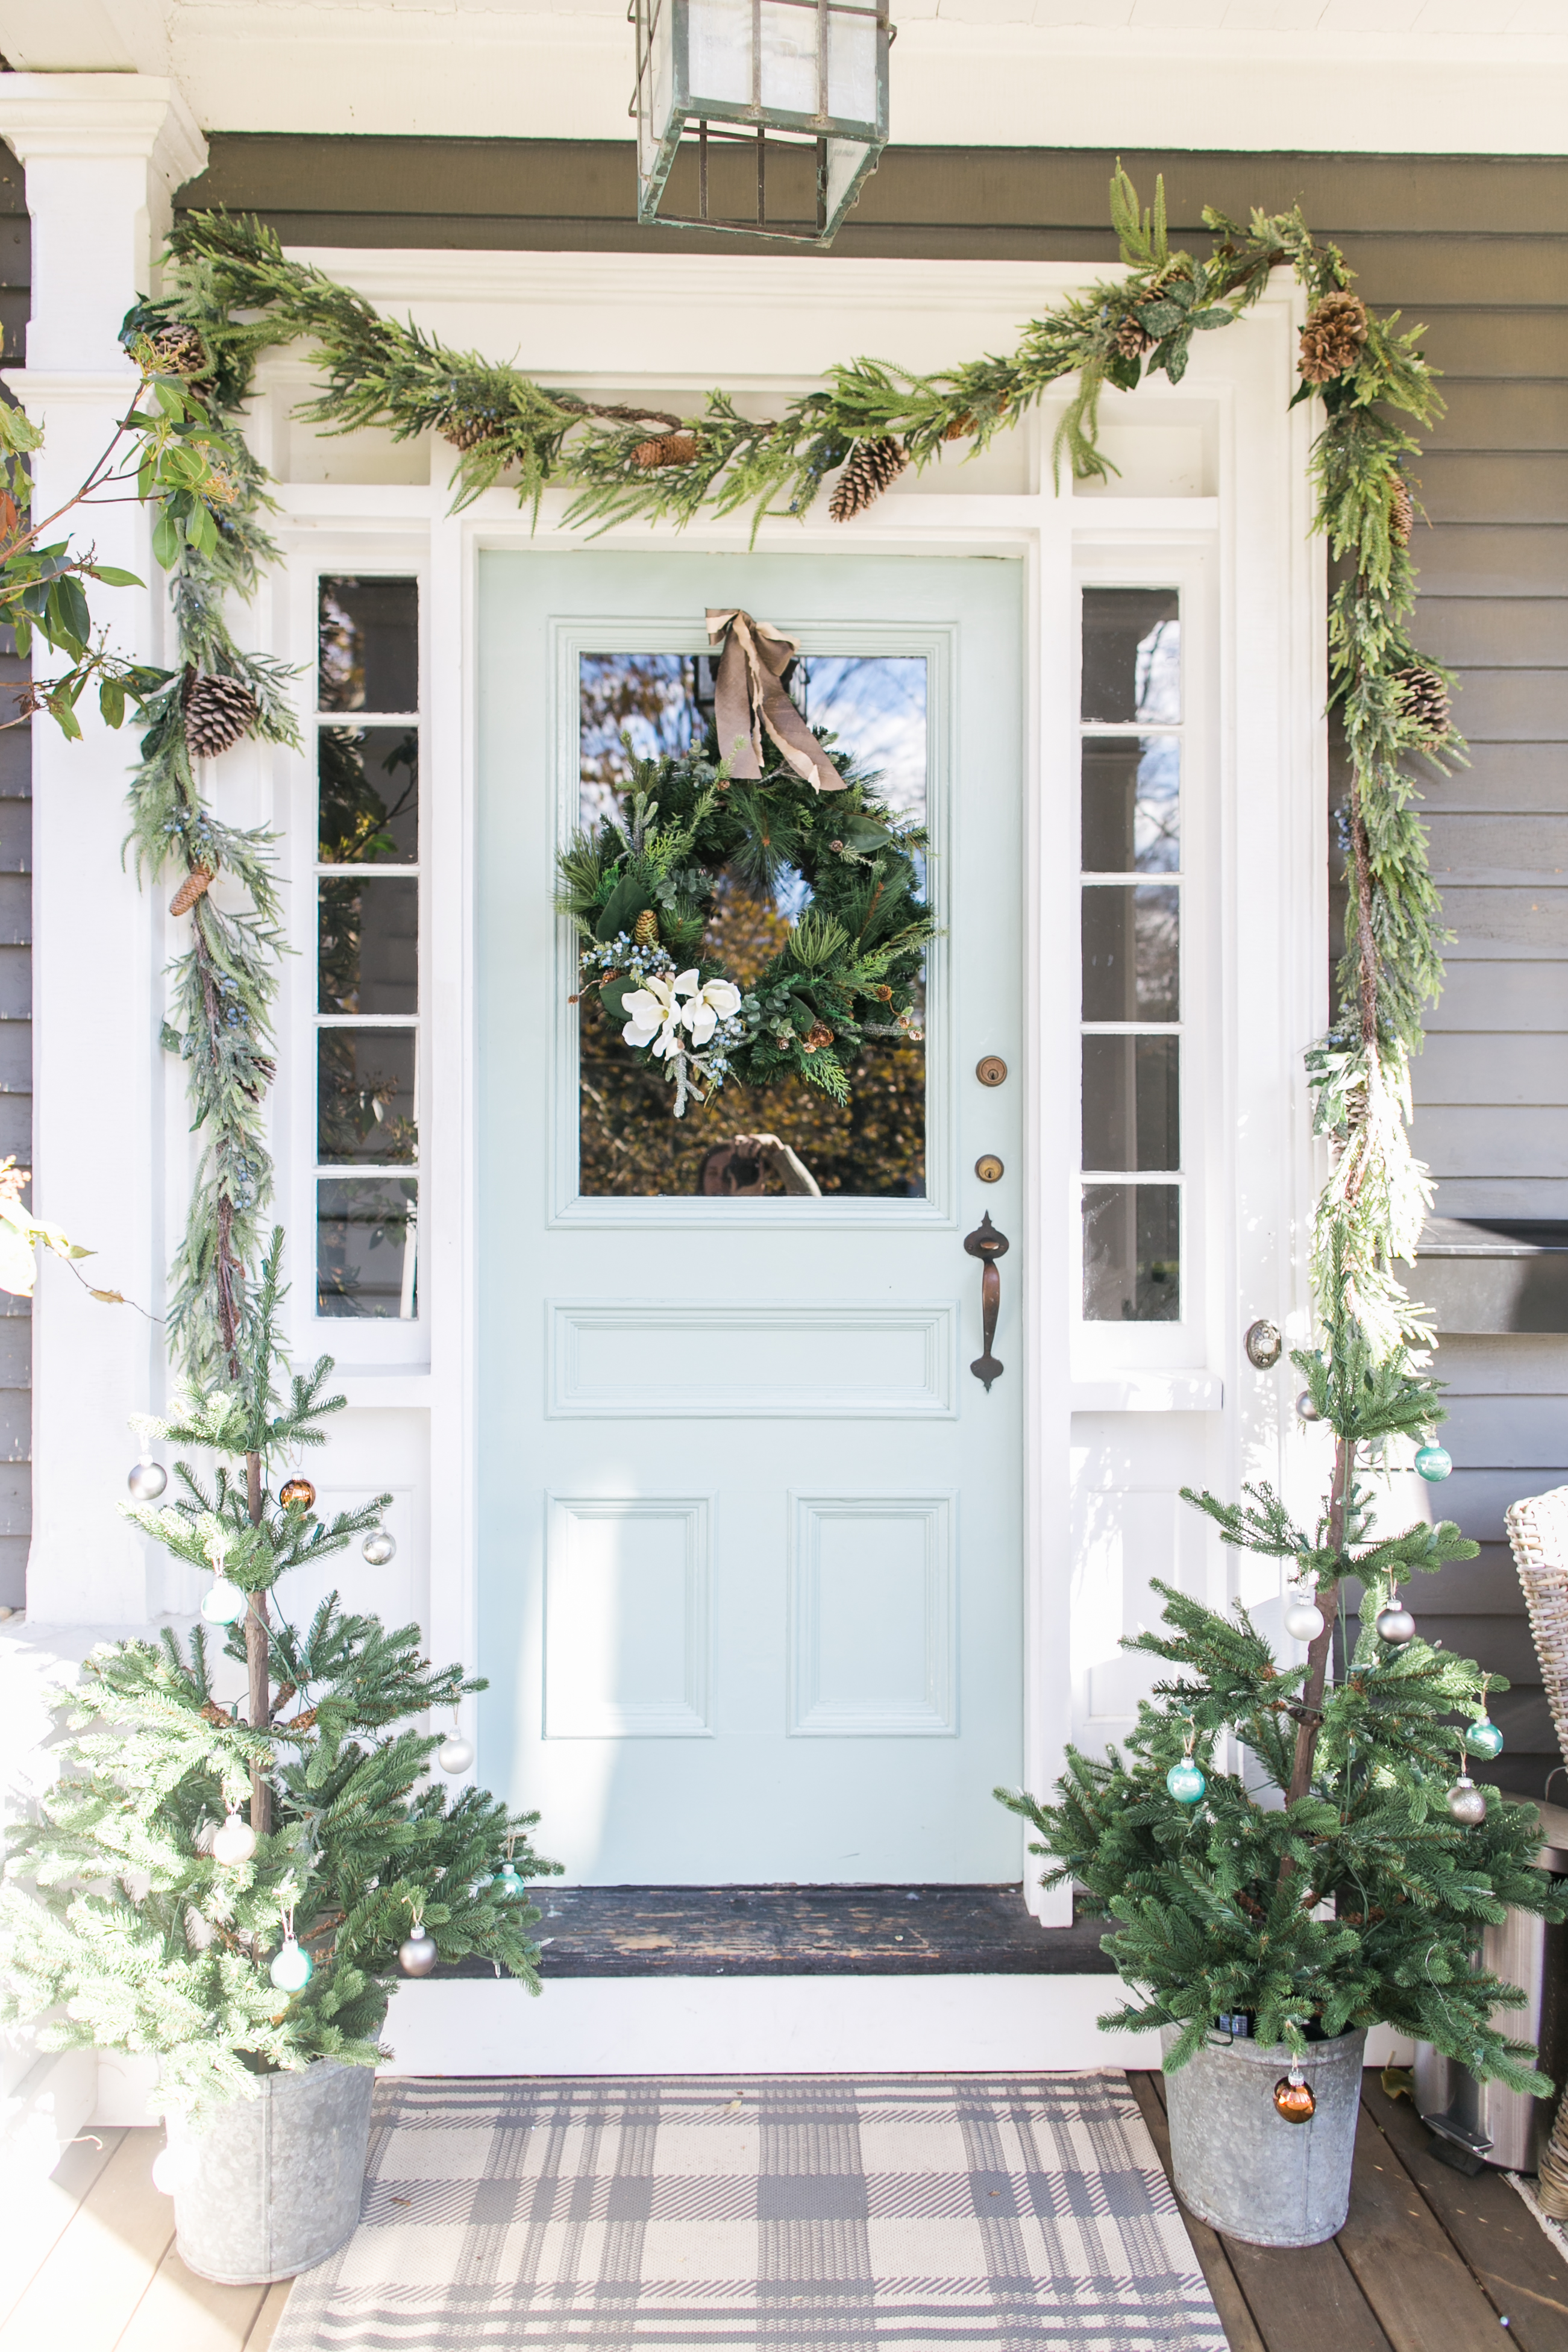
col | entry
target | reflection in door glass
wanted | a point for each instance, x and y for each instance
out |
(788, 1138)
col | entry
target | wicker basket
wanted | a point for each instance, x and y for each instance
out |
(1538, 1531)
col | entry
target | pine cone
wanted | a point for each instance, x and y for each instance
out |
(178, 351)
(960, 429)
(467, 430)
(1401, 512)
(200, 878)
(1423, 703)
(1132, 339)
(218, 711)
(815, 1037)
(666, 450)
(1332, 337)
(873, 465)
(645, 930)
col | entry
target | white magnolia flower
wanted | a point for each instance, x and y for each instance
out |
(707, 1006)
(655, 1016)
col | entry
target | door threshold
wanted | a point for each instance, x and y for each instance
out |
(801, 1931)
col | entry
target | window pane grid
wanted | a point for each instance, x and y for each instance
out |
(1130, 899)
(367, 892)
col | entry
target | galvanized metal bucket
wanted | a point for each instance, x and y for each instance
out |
(1239, 2165)
(269, 2184)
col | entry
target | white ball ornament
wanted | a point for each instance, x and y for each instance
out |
(235, 1842)
(378, 1548)
(292, 1969)
(224, 1604)
(1394, 1623)
(1303, 1618)
(416, 1954)
(146, 1480)
(455, 1755)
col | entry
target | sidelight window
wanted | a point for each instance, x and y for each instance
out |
(1131, 789)
(367, 879)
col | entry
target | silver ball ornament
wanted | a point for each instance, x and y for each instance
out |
(1306, 1408)
(292, 1969)
(146, 1480)
(416, 1954)
(1394, 1623)
(455, 1755)
(1303, 1618)
(1467, 1802)
(379, 1548)
(235, 1842)
(224, 1604)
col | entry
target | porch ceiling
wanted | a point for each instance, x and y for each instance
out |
(1476, 76)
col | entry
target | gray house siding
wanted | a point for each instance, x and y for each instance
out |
(1478, 249)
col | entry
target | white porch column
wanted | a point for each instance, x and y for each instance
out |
(102, 155)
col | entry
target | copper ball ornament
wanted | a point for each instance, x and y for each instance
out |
(1293, 2098)
(297, 1495)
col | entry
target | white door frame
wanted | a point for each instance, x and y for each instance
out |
(573, 318)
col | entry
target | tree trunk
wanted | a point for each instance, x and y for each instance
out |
(257, 1659)
(1318, 1654)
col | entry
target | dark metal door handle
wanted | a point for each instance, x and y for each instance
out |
(987, 1245)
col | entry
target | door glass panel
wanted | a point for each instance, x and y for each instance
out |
(1131, 953)
(1131, 804)
(365, 1246)
(1130, 1102)
(1131, 655)
(788, 1137)
(369, 799)
(1131, 1252)
(366, 1097)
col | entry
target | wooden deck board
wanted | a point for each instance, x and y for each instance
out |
(38, 2213)
(264, 2326)
(1423, 2293)
(183, 2313)
(1523, 2275)
(1229, 2301)
(85, 2295)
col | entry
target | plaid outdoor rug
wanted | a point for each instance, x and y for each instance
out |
(996, 2212)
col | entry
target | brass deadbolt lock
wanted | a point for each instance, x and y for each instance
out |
(991, 1070)
(989, 1169)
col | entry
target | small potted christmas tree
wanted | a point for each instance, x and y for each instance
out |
(254, 1957)
(1291, 1859)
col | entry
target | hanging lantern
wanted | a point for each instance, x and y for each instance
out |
(795, 87)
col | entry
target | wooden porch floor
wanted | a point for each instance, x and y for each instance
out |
(1428, 2262)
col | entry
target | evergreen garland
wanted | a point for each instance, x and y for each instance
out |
(234, 292)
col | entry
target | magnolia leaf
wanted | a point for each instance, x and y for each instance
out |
(109, 1297)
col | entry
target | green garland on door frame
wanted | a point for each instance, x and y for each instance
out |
(233, 295)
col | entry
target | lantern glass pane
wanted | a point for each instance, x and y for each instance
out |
(719, 53)
(655, 91)
(847, 161)
(789, 58)
(852, 67)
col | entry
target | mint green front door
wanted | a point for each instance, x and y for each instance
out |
(750, 1531)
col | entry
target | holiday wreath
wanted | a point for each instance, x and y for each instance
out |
(642, 886)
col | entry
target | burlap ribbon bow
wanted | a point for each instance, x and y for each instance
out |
(749, 696)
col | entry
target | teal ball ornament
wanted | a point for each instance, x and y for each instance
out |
(1484, 1739)
(224, 1604)
(292, 1969)
(1433, 1462)
(508, 1885)
(1185, 1782)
